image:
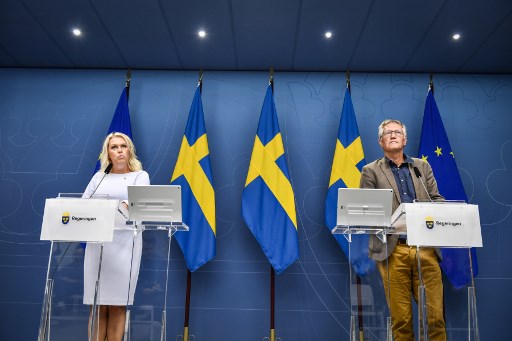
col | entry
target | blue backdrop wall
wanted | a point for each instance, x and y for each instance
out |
(52, 123)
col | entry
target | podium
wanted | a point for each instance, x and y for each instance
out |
(156, 207)
(71, 219)
(441, 224)
(362, 213)
(426, 224)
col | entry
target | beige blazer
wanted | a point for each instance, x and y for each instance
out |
(378, 174)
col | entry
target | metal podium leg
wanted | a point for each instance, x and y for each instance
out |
(389, 329)
(473, 332)
(422, 302)
(126, 336)
(353, 328)
(163, 335)
(95, 306)
(422, 312)
(44, 324)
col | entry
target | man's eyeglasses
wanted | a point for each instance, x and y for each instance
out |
(389, 132)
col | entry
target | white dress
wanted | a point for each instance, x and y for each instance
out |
(118, 261)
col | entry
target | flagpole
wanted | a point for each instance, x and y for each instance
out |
(127, 85)
(126, 335)
(187, 305)
(189, 274)
(431, 83)
(358, 279)
(272, 271)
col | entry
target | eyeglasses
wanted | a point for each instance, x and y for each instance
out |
(389, 132)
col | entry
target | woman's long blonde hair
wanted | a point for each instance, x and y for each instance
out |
(134, 165)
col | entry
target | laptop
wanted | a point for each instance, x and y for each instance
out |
(364, 207)
(155, 203)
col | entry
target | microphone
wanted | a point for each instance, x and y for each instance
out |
(418, 175)
(107, 170)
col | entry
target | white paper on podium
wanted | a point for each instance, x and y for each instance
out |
(439, 224)
(81, 220)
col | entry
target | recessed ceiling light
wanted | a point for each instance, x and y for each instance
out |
(201, 34)
(77, 32)
(328, 35)
(456, 36)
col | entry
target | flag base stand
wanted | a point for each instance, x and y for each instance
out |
(272, 336)
(186, 336)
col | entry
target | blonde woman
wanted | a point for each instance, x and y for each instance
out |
(121, 258)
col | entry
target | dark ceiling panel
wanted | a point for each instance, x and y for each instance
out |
(495, 53)
(475, 20)
(368, 35)
(344, 19)
(216, 51)
(25, 40)
(7, 59)
(95, 49)
(140, 32)
(266, 33)
(391, 34)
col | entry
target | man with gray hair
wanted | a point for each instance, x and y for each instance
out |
(396, 261)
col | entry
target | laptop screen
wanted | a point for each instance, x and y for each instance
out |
(160, 203)
(364, 207)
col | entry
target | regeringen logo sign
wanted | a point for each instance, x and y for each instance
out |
(430, 223)
(66, 218)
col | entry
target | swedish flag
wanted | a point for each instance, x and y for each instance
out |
(268, 202)
(346, 173)
(193, 173)
(435, 149)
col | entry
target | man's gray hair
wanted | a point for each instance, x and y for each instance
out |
(388, 121)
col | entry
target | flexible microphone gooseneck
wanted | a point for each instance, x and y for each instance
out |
(418, 175)
(107, 170)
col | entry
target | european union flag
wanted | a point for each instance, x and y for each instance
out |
(268, 202)
(346, 172)
(435, 149)
(193, 172)
(121, 121)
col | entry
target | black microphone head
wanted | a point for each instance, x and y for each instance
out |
(417, 172)
(109, 168)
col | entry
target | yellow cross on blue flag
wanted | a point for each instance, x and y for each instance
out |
(435, 149)
(268, 202)
(193, 173)
(346, 172)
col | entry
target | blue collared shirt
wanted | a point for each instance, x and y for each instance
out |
(403, 179)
